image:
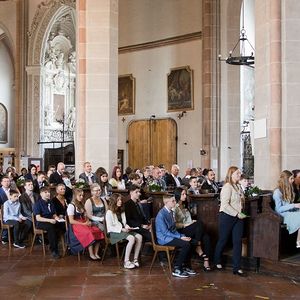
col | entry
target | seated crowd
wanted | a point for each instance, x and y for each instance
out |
(107, 212)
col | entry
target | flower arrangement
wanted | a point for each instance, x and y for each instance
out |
(253, 191)
(154, 187)
(81, 184)
(20, 181)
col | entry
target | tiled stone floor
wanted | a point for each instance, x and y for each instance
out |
(24, 276)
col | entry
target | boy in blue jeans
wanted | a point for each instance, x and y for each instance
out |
(12, 216)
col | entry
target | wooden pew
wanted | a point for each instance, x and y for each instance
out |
(157, 201)
(267, 231)
(207, 209)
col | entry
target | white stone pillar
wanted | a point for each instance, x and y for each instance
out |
(268, 86)
(290, 84)
(97, 88)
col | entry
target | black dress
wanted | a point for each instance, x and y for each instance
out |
(60, 209)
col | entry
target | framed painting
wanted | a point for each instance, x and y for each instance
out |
(126, 95)
(180, 89)
(38, 162)
(3, 124)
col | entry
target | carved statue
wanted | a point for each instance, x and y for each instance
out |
(48, 115)
(50, 58)
(60, 60)
(72, 61)
(71, 119)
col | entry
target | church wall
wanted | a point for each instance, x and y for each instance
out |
(7, 92)
(8, 16)
(149, 20)
(150, 69)
(146, 21)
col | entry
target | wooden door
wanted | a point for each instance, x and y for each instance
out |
(152, 142)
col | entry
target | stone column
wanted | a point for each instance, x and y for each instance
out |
(32, 107)
(211, 82)
(290, 84)
(230, 93)
(268, 150)
(97, 88)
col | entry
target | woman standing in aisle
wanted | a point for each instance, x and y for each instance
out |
(231, 220)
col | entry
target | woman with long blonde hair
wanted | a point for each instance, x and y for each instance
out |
(284, 196)
(231, 220)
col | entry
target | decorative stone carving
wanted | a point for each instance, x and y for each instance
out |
(59, 81)
(56, 135)
(72, 61)
(48, 114)
(50, 58)
(71, 119)
(40, 23)
(43, 8)
(52, 39)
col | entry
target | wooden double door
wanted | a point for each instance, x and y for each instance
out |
(152, 142)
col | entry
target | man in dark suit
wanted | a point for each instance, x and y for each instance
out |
(56, 177)
(4, 189)
(209, 185)
(27, 200)
(39, 182)
(4, 195)
(135, 216)
(88, 176)
(167, 235)
(172, 179)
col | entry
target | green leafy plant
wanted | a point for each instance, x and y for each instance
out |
(81, 184)
(253, 191)
(153, 187)
(20, 181)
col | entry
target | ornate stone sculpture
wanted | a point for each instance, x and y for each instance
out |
(71, 119)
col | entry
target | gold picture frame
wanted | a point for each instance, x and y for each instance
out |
(180, 89)
(126, 95)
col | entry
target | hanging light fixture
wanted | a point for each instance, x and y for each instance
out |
(242, 59)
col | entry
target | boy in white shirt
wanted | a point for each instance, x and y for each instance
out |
(12, 216)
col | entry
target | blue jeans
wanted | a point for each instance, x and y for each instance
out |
(228, 225)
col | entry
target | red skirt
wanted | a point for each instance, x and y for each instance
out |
(86, 235)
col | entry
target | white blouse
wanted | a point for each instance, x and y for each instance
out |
(112, 222)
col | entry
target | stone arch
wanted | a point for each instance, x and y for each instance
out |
(45, 16)
(43, 20)
(5, 37)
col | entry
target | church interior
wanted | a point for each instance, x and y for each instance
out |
(201, 84)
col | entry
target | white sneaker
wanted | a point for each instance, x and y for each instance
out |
(298, 244)
(136, 263)
(21, 246)
(129, 265)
